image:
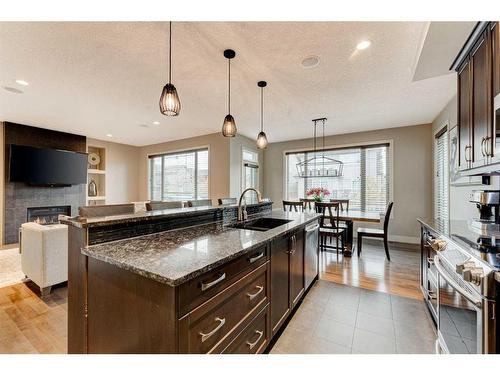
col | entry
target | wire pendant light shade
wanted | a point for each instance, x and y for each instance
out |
(320, 165)
(262, 138)
(229, 125)
(170, 105)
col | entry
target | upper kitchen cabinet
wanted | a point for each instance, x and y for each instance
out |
(495, 49)
(478, 78)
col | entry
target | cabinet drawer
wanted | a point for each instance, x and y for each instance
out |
(254, 338)
(200, 289)
(208, 328)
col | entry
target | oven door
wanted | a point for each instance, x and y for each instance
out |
(460, 318)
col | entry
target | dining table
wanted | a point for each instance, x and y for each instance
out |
(349, 217)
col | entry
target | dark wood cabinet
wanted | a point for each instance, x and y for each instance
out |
(481, 97)
(478, 82)
(280, 281)
(296, 268)
(464, 119)
(495, 52)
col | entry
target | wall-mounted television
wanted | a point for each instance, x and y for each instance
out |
(48, 167)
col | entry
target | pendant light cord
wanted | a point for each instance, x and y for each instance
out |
(262, 109)
(229, 86)
(170, 54)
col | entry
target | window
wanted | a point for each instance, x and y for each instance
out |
(179, 176)
(250, 173)
(365, 181)
(441, 176)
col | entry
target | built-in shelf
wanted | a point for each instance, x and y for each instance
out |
(97, 173)
(97, 198)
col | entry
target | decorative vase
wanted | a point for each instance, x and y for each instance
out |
(92, 189)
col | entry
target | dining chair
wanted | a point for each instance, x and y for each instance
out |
(153, 206)
(377, 233)
(329, 225)
(308, 203)
(342, 202)
(200, 203)
(297, 206)
(225, 201)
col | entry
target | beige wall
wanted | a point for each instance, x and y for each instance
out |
(2, 181)
(412, 163)
(219, 155)
(459, 206)
(236, 161)
(122, 169)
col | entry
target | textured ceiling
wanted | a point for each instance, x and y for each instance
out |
(95, 78)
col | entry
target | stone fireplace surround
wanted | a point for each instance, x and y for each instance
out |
(20, 196)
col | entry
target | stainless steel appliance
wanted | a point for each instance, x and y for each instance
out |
(466, 300)
(488, 203)
(311, 261)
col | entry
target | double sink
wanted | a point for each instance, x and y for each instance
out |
(262, 225)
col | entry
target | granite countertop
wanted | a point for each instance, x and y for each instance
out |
(176, 256)
(83, 222)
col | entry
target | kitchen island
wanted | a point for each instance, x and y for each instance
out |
(212, 287)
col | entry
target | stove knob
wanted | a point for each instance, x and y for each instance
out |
(468, 264)
(473, 275)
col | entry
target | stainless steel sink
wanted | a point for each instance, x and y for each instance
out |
(262, 224)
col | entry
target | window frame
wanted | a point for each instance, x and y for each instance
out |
(339, 147)
(442, 130)
(251, 162)
(149, 157)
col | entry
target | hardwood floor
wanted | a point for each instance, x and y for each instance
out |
(372, 271)
(30, 324)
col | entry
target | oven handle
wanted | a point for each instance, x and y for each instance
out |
(454, 284)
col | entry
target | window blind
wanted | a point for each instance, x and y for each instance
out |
(365, 181)
(441, 184)
(179, 176)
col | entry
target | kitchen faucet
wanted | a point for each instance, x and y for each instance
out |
(242, 213)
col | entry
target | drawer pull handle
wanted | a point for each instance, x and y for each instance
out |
(430, 260)
(259, 290)
(205, 286)
(256, 258)
(251, 345)
(206, 336)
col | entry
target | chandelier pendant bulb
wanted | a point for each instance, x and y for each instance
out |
(229, 125)
(170, 104)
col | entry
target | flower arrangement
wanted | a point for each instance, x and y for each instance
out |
(318, 194)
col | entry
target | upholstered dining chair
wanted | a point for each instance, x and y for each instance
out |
(377, 233)
(153, 206)
(329, 225)
(297, 206)
(200, 203)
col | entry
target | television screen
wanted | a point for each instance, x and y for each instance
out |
(43, 166)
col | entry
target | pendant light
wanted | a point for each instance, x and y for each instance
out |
(170, 105)
(229, 125)
(261, 138)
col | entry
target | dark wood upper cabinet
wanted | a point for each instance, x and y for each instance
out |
(280, 282)
(464, 118)
(495, 51)
(481, 98)
(297, 268)
(478, 68)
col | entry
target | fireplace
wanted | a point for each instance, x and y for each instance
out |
(47, 215)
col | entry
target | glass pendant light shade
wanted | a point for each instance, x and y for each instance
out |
(261, 141)
(170, 105)
(229, 126)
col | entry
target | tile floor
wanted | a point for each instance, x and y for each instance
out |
(340, 319)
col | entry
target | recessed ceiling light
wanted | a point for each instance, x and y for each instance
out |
(363, 45)
(310, 62)
(109, 135)
(156, 122)
(144, 125)
(12, 89)
(22, 82)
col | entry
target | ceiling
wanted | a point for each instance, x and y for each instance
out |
(99, 78)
